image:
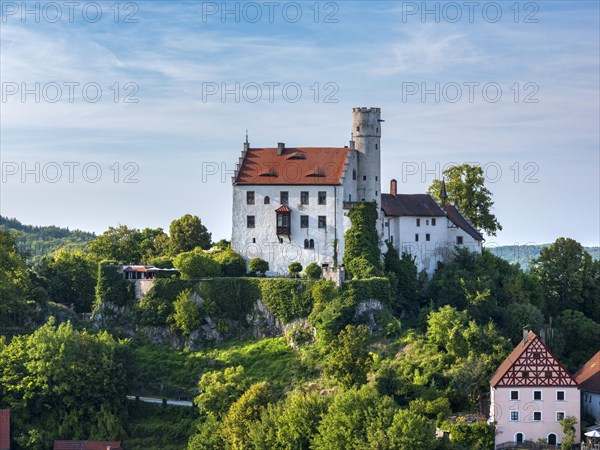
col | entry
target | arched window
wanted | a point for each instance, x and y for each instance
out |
(552, 439)
(267, 200)
(311, 243)
(519, 438)
(305, 243)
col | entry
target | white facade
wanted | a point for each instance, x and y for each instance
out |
(591, 403)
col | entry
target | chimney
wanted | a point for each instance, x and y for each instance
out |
(525, 335)
(280, 148)
(393, 188)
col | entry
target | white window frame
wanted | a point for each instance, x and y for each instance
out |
(518, 395)
(556, 415)
(564, 394)
(533, 416)
(515, 436)
(541, 395)
(510, 414)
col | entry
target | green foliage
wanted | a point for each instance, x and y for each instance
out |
(568, 428)
(313, 271)
(207, 435)
(410, 431)
(361, 268)
(121, 244)
(294, 269)
(35, 242)
(371, 289)
(70, 277)
(219, 389)
(186, 316)
(62, 383)
(248, 408)
(158, 304)
(465, 186)
(349, 359)
(187, 233)
(476, 436)
(361, 238)
(403, 276)
(229, 298)
(569, 277)
(576, 339)
(258, 266)
(111, 287)
(14, 282)
(162, 262)
(437, 409)
(232, 263)
(196, 264)
(289, 424)
(521, 315)
(286, 299)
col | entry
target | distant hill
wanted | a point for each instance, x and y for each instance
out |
(37, 242)
(524, 254)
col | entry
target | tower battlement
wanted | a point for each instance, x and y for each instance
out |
(366, 110)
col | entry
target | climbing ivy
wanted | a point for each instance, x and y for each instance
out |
(361, 238)
(111, 287)
(287, 299)
(229, 298)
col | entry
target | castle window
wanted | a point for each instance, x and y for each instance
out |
(514, 416)
(376, 192)
(250, 221)
(357, 128)
(304, 198)
(284, 197)
(560, 415)
(322, 197)
(427, 222)
(416, 237)
(560, 396)
(322, 222)
(303, 221)
(537, 395)
(459, 240)
(354, 174)
(376, 146)
(427, 237)
(254, 240)
(364, 177)
(514, 395)
(267, 200)
(311, 243)
(433, 222)
(305, 243)
(249, 197)
(537, 416)
(418, 222)
(281, 240)
(392, 239)
(376, 178)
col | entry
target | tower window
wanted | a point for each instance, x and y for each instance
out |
(254, 240)
(364, 177)
(322, 222)
(250, 221)
(376, 192)
(250, 198)
(354, 174)
(322, 197)
(357, 128)
(303, 221)
(304, 198)
(376, 146)
(376, 178)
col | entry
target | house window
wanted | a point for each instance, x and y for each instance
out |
(537, 395)
(433, 222)
(354, 174)
(303, 221)
(418, 222)
(459, 240)
(322, 221)
(427, 237)
(519, 438)
(304, 198)
(250, 221)
(267, 200)
(537, 416)
(322, 197)
(514, 395)
(514, 416)
(284, 197)
(416, 237)
(249, 197)
(560, 415)
(560, 396)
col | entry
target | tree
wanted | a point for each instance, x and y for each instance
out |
(246, 410)
(361, 238)
(195, 264)
(568, 428)
(232, 263)
(60, 382)
(219, 389)
(71, 278)
(476, 436)
(14, 281)
(313, 271)
(187, 233)
(187, 315)
(566, 273)
(121, 244)
(403, 276)
(446, 327)
(576, 339)
(258, 266)
(465, 186)
(410, 431)
(154, 243)
(361, 268)
(349, 360)
(519, 316)
(294, 269)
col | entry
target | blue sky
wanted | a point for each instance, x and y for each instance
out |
(540, 148)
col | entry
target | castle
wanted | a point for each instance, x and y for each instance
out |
(292, 204)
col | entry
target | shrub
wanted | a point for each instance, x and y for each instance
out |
(294, 269)
(361, 268)
(313, 271)
(111, 287)
(232, 263)
(258, 266)
(286, 299)
(186, 316)
(196, 265)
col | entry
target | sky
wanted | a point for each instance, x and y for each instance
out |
(135, 113)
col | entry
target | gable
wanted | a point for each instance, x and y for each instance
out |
(532, 364)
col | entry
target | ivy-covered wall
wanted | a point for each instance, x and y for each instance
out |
(111, 287)
(369, 289)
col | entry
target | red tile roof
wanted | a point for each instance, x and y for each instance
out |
(588, 376)
(509, 372)
(4, 429)
(87, 445)
(410, 205)
(283, 208)
(459, 220)
(296, 166)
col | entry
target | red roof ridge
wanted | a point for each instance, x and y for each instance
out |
(588, 376)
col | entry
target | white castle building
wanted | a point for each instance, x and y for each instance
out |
(292, 204)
